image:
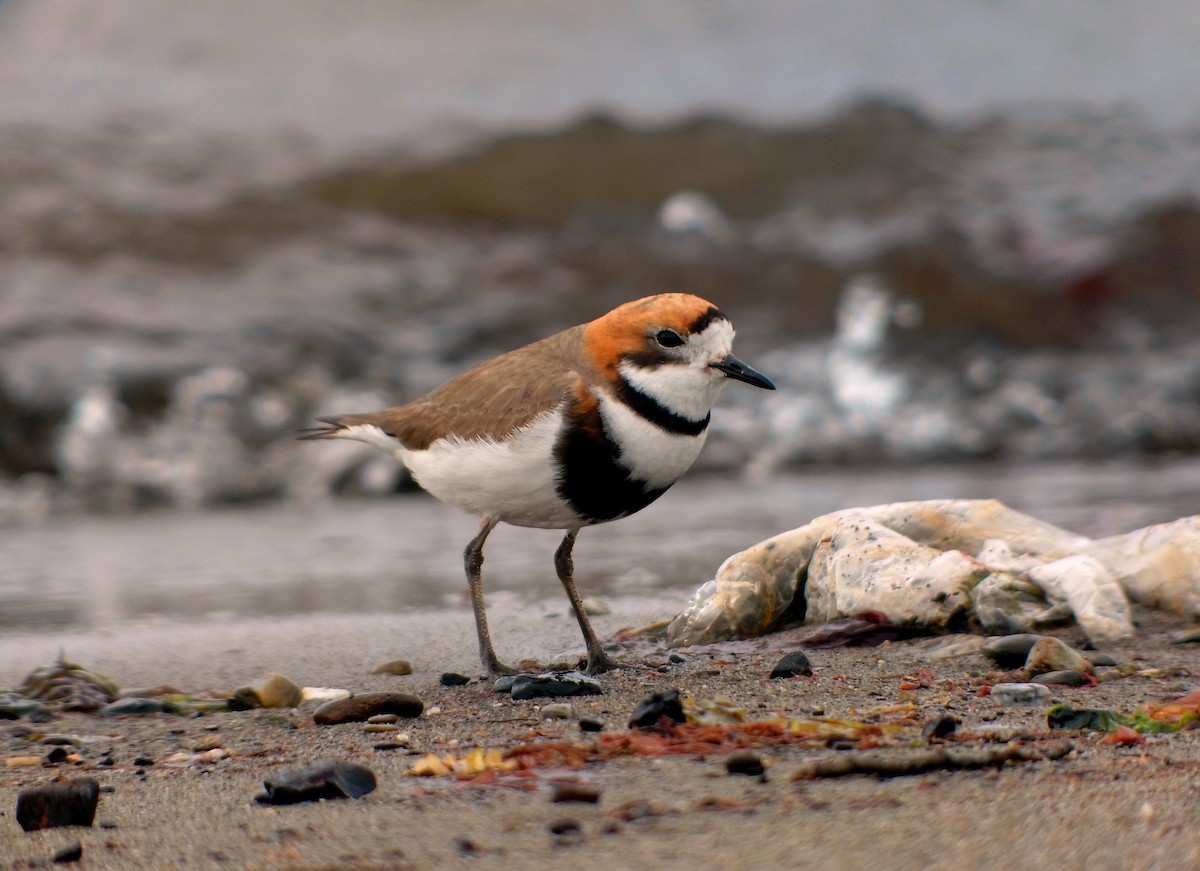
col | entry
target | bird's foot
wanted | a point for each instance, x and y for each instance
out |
(599, 662)
(496, 668)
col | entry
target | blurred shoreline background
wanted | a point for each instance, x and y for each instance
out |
(952, 232)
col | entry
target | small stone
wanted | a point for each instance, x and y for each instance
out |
(327, 779)
(272, 691)
(1065, 678)
(143, 761)
(567, 683)
(580, 792)
(951, 646)
(566, 831)
(57, 755)
(793, 664)
(73, 852)
(23, 762)
(654, 709)
(1050, 654)
(206, 743)
(363, 706)
(399, 667)
(383, 746)
(559, 711)
(1098, 659)
(133, 707)
(591, 724)
(382, 718)
(1010, 651)
(62, 803)
(745, 762)
(380, 728)
(504, 683)
(596, 607)
(453, 679)
(677, 659)
(939, 727)
(1019, 694)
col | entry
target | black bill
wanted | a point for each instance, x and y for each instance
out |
(739, 371)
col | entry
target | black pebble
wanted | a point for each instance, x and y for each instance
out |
(64, 803)
(567, 683)
(591, 724)
(73, 852)
(939, 727)
(143, 761)
(793, 664)
(58, 754)
(575, 792)
(327, 779)
(453, 679)
(745, 762)
(677, 659)
(653, 710)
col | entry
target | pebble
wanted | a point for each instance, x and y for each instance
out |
(23, 762)
(558, 711)
(363, 706)
(383, 746)
(398, 667)
(952, 646)
(208, 742)
(380, 728)
(1010, 651)
(677, 659)
(453, 679)
(653, 709)
(596, 607)
(1186, 636)
(1065, 677)
(57, 755)
(745, 762)
(62, 803)
(1019, 693)
(575, 792)
(1050, 654)
(793, 664)
(326, 779)
(271, 691)
(567, 683)
(73, 852)
(1096, 658)
(591, 724)
(133, 707)
(382, 718)
(939, 726)
(566, 831)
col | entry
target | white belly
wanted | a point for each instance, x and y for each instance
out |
(650, 453)
(515, 479)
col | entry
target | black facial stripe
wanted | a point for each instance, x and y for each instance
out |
(591, 480)
(659, 415)
(701, 323)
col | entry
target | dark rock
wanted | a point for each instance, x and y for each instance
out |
(384, 746)
(504, 683)
(143, 761)
(134, 706)
(793, 664)
(566, 831)
(575, 792)
(939, 727)
(1064, 677)
(1096, 658)
(361, 707)
(64, 803)
(1051, 654)
(677, 659)
(14, 706)
(73, 852)
(58, 754)
(745, 762)
(326, 779)
(453, 679)
(591, 724)
(1010, 651)
(1096, 719)
(566, 683)
(652, 711)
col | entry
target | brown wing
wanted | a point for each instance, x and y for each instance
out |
(492, 399)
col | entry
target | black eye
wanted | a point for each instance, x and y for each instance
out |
(668, 338)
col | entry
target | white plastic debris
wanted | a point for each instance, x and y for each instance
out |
(928, 563)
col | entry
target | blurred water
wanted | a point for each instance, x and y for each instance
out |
(404, 553)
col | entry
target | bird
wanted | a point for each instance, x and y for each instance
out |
(586, 426)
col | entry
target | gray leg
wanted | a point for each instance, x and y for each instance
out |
(473, 557)
(598, 660)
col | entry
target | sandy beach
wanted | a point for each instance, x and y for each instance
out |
(1101, 804)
